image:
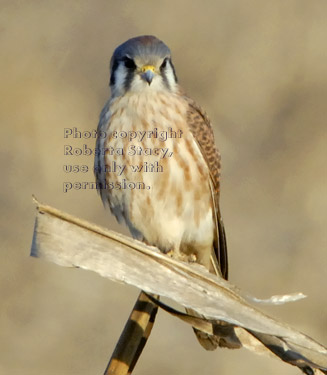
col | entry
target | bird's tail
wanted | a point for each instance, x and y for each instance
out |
(223, 338)
(209, 342)
(134, 337)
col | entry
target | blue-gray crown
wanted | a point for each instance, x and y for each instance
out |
(140, 46)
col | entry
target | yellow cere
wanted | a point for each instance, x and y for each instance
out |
(148, 67)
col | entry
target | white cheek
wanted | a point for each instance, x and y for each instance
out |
(171, 79)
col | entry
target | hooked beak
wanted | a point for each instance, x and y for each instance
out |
(147, 73)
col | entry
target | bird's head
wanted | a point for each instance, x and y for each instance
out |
(142, 64)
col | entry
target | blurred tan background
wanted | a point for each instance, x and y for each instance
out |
(259, 68)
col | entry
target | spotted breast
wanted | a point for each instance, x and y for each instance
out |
(161, 189)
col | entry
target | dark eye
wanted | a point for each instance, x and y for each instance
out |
(164, 63)
(129, 63)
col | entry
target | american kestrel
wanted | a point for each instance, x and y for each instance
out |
(157, 165)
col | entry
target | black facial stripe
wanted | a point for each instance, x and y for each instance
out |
(113, 72)
(128, 78)
(129, 68)
(164, 64)
(129, 63)
(173, 69)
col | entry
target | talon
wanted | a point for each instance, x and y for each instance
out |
(170, 253)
